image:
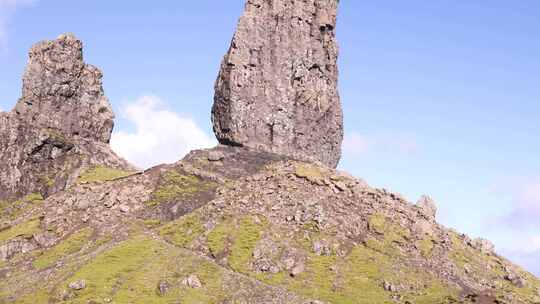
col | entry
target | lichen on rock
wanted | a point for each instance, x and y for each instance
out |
(239, 223)
(61, 125)
(277, 87)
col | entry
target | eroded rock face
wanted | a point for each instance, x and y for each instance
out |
(61, 124)
(63, 93)
(277, 87)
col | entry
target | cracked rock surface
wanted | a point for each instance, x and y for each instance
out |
(277, 87)
(61, 124)
(250, 227)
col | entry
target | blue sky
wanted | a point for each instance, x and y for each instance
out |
(440, 97)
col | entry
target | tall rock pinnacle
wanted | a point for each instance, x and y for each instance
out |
(61, 92)
(61, 125)
(277, 87)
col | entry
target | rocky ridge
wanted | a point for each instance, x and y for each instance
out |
(232, 224)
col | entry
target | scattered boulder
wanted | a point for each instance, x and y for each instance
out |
(163, 288)
(14, 247)
(277, 87)
(192, 281)
(77, 285)
(427, 207)
(322, 248)
(512, 276)
(215, 155)
(485, 246)
(297, 269)
(389, 287)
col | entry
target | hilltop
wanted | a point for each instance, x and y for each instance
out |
(264, 217)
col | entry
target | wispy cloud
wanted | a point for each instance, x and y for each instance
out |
(522, 217)
(357, 144)
(159, 136)
(526, 254)
(525, 211)
(7, 10)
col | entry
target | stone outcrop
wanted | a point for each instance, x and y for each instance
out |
(277, 87)
(60, 125)
(229, 224)
(233, 225)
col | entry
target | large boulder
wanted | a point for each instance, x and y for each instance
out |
(61, 125)
(277, 87)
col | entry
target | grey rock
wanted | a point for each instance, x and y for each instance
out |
(277, 87)
(427, 206)
(61, 125)
(192, 281)
(63, 93)
(163, 288)
(389, 287)
(109, 203)
(82, 205)
(514, 278)
(215, 155)
(485, 246)
(77, 285)
(125, 208)
(263, 265)
(297, 269)
(16, 246)
(45, 239)
(322, 248)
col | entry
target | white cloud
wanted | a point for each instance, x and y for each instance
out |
(160, 135)
(525, 210)
(529, 198)
(526, 254)
(523, 194)
(7, 9)
(356, 144)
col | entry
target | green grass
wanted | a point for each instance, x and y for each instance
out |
(26, 229)
(488, 267)
(377, 223)
(71, 245)
(310, 172)
(391, 235)
(151, 223)
(110, 270)
(217, 238)
(246, 236)
(131, 271)
(426, 246)
(101, 174)
(182, 231)
(174, 186)
(40, 296)
(14, 209)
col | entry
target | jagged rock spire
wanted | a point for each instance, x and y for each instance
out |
(277, 87)
(61, 124)
(63, 93)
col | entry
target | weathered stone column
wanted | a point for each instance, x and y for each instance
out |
(277, 87)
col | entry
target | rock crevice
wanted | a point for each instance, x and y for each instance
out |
(61, 124)
(277, 87)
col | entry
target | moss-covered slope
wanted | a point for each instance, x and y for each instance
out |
(276, 231)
